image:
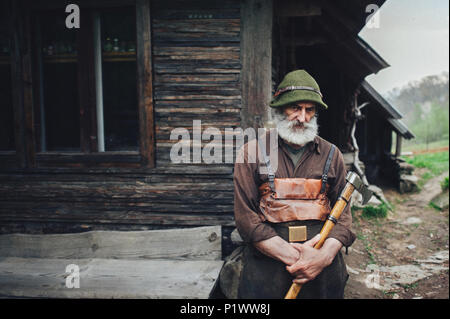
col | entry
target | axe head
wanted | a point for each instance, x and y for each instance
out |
(363, 189)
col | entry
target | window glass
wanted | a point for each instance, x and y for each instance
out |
(120, 106)
(58, 79)
(106, 76)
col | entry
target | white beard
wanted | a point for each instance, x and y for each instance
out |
(291, 134)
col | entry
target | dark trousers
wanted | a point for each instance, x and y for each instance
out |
(263, 277)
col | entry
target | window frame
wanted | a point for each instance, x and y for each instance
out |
(26, 66)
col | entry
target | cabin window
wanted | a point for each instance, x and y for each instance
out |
(6, 103)
(92, 85)
(87, 82)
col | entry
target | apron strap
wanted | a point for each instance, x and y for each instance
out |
(327, 168)
(270, 173)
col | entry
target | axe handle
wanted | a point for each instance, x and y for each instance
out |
(336, 212)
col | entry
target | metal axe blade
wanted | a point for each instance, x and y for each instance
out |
(363, 189)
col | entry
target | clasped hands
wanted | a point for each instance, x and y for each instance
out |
(311, 261)
(303, 261)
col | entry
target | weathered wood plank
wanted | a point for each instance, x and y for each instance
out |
(196, 112)
(113, 188)
(20, 180)
(145, 83)
(163, 66)
(102, 217)
(202, 103)
(108, 278)
(198, 243)
(163, 168)
(197, 53)
(115, 210)
(257, 16)
(197, 29)
(190, 79)
(119, 193)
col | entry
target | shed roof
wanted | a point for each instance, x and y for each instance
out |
(349, 51)
(388, 109)
(401, 128)
(392, 115)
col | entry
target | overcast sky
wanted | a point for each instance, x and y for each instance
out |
(413, 37)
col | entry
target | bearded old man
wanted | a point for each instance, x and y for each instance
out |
(279, 215)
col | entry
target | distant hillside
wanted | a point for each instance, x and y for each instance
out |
(424, 105)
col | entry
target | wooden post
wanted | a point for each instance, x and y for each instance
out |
(22, 86)
(145, 83)
(87, 85)
(256, 60)
(398, 145)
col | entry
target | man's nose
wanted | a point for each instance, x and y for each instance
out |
(300, 115)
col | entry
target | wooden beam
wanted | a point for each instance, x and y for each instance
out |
(198, 243)
(22, 83)
(58, 4)
(398, 145)
(307, 41)
(109, 278)
(295, 8)
(256, 59)
(87, 85)
(145, 83)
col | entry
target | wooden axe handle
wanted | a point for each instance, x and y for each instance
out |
(336, 212)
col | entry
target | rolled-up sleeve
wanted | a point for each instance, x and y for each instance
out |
(246, 201)
(342, 230)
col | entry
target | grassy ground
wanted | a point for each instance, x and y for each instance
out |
(429, 164)
(385, 238)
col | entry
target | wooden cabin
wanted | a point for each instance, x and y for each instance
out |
(87, 113)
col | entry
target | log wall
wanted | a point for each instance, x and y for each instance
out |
(196, 76)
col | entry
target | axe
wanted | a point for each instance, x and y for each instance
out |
(353, 182)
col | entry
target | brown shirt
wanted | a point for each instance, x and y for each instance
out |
(247, 179)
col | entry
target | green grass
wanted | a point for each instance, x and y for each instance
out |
(436, 163)
(379, 211)
(434, 206)
(444, 184)
(367, 247)
(409, 286)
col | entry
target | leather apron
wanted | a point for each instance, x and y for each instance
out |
(288, 202)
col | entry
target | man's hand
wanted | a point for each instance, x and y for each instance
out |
(279, 249)
(312, 261)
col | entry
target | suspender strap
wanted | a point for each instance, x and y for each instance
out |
(326, 169)
(270, 174)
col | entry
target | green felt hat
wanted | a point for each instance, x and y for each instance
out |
(297, 86)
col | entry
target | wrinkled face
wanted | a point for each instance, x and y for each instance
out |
(297, 123)
(301, 112)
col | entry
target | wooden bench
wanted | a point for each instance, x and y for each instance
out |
(175, 263)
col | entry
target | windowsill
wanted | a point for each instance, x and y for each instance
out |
(99, 159)
(71, 153)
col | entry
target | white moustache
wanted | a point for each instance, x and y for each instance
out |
(297, 135)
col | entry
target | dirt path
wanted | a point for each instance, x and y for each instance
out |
(404, 255)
